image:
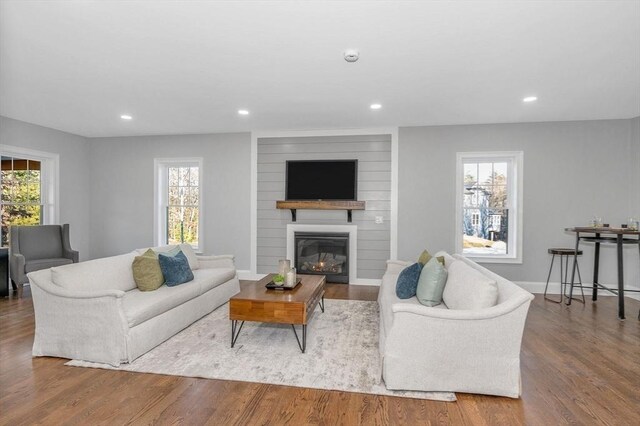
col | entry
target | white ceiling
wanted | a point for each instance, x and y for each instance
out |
(187, 67)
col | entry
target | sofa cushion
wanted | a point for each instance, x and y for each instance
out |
(408, 281)
(140, 306)
(146, 271)
(212, 278)
(186, 249)
(431, 283)
(468, 288)
(36, 265)
(175, 269)
(108, 273)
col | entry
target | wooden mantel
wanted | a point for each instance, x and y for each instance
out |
(320, 205)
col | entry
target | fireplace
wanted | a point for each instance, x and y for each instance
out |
(323, 253)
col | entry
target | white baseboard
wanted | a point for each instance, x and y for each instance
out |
(554, 288)
(366, 281)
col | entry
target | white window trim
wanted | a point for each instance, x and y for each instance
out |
(160, 197)
(515, 188)
(49, 178)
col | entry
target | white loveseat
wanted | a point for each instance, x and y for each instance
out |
(439, 349)
(93, 310)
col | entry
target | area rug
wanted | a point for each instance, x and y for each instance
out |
(341, 354)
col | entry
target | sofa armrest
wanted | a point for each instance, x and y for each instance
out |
(394, 267)
(48, 287)
(455, 350)
(86, 325)
(16, 267)
(71, 254)
(453, 314)
(67, 251)
(220, 261)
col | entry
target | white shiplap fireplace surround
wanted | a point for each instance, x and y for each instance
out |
(352, 230)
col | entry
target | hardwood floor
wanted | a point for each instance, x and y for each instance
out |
(580, 365)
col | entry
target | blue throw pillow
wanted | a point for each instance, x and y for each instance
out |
(408, 281)
(175, 269)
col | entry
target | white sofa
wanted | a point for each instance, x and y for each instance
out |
(93, 310)
(438, 349)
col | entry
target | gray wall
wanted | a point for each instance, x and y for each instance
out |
(634, 145)
(374, 186)
(74, 185)
(122, 171)
(572, 170)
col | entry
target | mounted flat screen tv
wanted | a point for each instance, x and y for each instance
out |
(322, 180)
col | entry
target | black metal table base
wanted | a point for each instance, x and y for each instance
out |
(302, 345)
(619, 241)
(235, 330)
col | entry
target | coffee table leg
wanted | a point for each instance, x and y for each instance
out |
(302, 346)
(235, 331)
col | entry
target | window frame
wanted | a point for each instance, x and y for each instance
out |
(161, 198)
(515, 203)
(49, 178)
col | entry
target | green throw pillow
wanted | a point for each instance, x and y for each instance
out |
(146, 271)
(433, 278)
(425, 257)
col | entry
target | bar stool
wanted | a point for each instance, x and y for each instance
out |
(565, 254)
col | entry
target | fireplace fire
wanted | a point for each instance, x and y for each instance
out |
(323, 253)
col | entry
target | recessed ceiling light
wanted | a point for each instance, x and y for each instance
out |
(126, 117)
(375, 106)
(351, 55)
(530, 99)
(243, 112)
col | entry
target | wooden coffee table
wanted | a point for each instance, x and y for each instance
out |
(295, 307)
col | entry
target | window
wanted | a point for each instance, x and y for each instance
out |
(489, 206)
(178, 202)
(28, 188)
(21, 196)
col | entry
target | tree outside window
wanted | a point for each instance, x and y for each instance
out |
(21, 194)
(183, 213)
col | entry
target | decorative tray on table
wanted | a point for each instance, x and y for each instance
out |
(282, 286)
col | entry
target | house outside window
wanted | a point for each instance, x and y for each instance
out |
(178, 202)
(489, 206)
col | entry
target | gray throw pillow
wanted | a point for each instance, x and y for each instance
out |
(408, 281)
(431, 283)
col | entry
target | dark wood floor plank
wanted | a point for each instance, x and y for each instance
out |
(579, 365)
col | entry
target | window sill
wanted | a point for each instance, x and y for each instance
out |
(487, 259)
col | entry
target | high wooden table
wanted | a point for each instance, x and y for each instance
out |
(295, 307)
(618, 236)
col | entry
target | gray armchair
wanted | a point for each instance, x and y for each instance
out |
(38, 247)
